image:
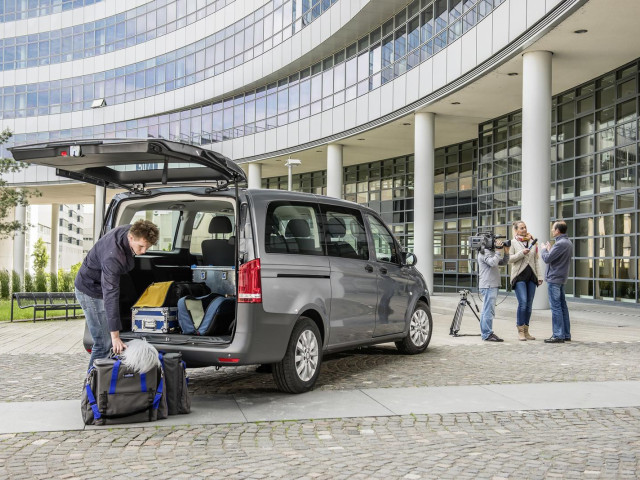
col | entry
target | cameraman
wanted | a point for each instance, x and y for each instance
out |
(489, 281)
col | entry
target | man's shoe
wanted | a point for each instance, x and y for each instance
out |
(553, 340)
(567, 339)
(493, 338)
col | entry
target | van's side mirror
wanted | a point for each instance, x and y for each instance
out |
(409, 259)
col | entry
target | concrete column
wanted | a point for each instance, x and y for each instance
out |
(334, 170)
(423, 204)
(98, 211)
(255, 175)
(55, 221)
(20, 214)
(536, 152)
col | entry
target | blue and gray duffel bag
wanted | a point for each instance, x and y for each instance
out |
(210, 315)
(114, 393)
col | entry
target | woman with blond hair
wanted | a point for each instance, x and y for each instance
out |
(525, 275)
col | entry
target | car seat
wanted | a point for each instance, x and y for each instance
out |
(219, 251)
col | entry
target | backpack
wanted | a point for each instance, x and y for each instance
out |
(210, 315)
(175, 374)
(113, 393)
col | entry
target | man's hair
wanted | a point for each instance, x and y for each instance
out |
(146, 230)
(561, 226)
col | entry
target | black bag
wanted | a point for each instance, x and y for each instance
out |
(182, 289)
(113, 394)
(175, 374)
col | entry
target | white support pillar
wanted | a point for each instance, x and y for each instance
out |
(20, 214)
(98, 211)
(334, 170)
(536, 151)
(55, 221)
(423, 204)
(255, 175)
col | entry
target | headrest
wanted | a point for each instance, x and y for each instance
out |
(220, 225)
(336, 227)
(297, 227)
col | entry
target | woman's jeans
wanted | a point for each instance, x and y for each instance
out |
(525, 291)
(96, 317)
(489, 296)
(559, 311)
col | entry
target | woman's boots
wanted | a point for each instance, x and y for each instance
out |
(526, 333)
(523, 333)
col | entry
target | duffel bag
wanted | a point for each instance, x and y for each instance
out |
(175, 375)
(114, 393)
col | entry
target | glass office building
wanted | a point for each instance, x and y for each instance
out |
(264, 80)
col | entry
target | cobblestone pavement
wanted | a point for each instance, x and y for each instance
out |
(580, 443)
(597, 443)
(59, 377)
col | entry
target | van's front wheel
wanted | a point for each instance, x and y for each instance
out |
(300, 367)
(419, 335)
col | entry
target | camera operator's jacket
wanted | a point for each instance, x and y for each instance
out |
(520, 261)
(488, 271)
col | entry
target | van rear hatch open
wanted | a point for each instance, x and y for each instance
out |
(131, 164)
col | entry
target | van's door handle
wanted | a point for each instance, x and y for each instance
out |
(368, 268)
(383, 270)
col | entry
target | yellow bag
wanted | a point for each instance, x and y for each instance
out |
(154, 296)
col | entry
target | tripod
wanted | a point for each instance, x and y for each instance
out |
(457, 317)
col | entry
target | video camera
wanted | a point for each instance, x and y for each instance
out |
(487, 240)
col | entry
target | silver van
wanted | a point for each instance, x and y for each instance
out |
(308, 274)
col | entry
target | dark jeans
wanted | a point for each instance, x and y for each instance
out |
(96, 317)
(559, 311)
(525, 291)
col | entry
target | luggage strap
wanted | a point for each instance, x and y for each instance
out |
(92, 399)
(114, 379)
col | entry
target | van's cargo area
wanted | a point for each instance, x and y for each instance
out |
(218, 281)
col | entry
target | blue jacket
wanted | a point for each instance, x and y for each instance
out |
(558, 259)
(99, 275)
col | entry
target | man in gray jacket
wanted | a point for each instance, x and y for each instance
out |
(558, 259)
(489, 281)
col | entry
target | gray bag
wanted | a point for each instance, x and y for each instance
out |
(114, 394)
(177, 391)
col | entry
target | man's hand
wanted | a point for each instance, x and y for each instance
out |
(117, 345)
(526, 251)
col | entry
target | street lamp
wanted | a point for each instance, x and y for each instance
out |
(290, 164)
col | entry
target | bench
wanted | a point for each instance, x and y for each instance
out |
(45, 302)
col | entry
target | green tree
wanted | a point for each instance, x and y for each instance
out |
(11, 197)
(41, 281)
(28, 282)
(40, 256)
(4, 284)
(16, 282)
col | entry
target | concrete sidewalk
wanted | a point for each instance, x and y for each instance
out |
(20, 417)
(590, 323)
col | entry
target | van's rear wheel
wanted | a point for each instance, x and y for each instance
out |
(300, 367)
(420, 328)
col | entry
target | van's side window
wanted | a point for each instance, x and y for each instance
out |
(292, 227)
(345, 235)
(383, 242)
(167, 222)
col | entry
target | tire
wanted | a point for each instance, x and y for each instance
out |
(420, 328)
(300, 367)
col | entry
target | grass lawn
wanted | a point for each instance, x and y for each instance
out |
(27, 313)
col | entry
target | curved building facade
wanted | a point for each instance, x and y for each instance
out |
(447, 116)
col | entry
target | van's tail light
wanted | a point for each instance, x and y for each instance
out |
(249, 283)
